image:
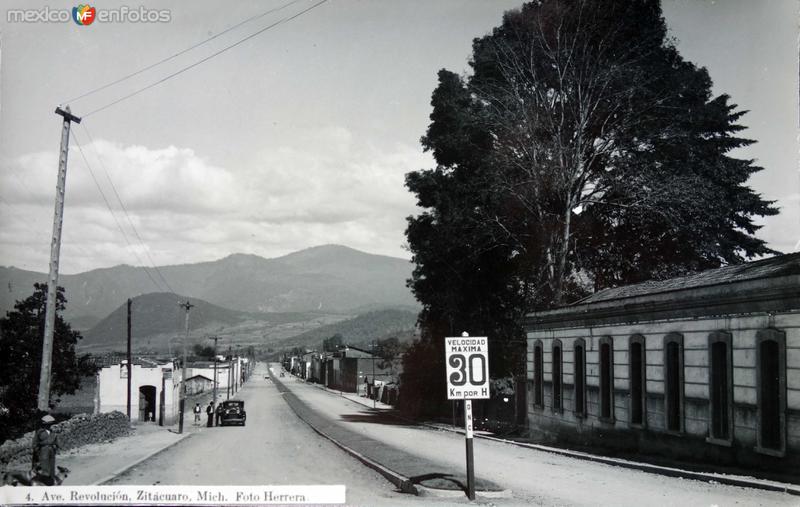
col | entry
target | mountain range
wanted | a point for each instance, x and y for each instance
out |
(329, 279)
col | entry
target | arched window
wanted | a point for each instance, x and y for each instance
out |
(771, 376)
(673, 382)
(720, 386)
(638, 379)
(538, 375)
(556, 370)
(607, 379)
(579, 348)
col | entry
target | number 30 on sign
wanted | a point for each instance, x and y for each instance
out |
(467, 359)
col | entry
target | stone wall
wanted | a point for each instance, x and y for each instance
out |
(74, 432)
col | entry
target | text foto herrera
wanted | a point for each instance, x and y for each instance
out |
(466, 344)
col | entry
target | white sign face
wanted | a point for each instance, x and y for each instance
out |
(467, 362)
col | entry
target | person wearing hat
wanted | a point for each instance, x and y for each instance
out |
(45, 446)
(210, 414)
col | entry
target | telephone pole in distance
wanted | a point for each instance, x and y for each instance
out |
(182, 404)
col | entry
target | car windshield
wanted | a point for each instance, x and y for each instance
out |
(232, 404)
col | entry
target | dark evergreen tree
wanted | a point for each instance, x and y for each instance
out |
(582, 152)
(21, 334)
(203, 351)
(333, 343)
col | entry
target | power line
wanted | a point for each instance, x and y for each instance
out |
(119, 226)
(203, 60)
(179, 53)
(125, 210)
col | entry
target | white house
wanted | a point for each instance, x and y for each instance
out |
(154, 391)
(229, 373)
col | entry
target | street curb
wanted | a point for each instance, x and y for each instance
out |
(138, 461)
(402, 482)
(790, 489)
(643, 467)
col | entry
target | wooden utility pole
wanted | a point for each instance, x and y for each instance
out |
(238, 377)
(130, 361)
(374, 394)
(230, 365)
(55, 251)
(182, 404)
(214, 399)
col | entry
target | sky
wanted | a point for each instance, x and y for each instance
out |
(302, 135)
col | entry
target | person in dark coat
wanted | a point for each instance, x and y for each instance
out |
(45, 446)
(219, 413)
(210, 414)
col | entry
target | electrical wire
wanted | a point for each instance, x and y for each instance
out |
(125, 210)
(203, 60)
(179, 53)
(110, 210)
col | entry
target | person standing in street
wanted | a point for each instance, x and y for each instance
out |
(210, 414)
(45, 446)
(197, 414)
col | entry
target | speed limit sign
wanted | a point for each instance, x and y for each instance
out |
(467, 360)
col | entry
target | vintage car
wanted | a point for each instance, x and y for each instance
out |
(232, 412)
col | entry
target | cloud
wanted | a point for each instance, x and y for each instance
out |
(782, 231)
(331, 189)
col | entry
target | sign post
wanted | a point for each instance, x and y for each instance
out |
(467, 364)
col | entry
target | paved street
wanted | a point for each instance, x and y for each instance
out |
(274, 447)
(277, 448)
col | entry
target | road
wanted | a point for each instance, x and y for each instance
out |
(535, 477)
(275, 447)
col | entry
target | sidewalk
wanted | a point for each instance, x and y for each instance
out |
(409, 473)
(671, 471)
(97, 463)
(367, 402)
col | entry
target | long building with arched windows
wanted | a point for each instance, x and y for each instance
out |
(703, 367)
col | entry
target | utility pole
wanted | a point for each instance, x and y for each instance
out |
(55, 251)
(215, 338)
(188, 306)
(230, 365)
(238, 373)
(130, 360)
(374, 395)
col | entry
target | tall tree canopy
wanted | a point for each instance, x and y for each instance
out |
(582, 152)
(21, 334)
(333, 343)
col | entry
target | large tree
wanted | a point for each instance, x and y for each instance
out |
(21, 334)
(582, 152)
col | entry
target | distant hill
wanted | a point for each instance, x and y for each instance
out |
(329, 279)
(359, 330)
(158, 317)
